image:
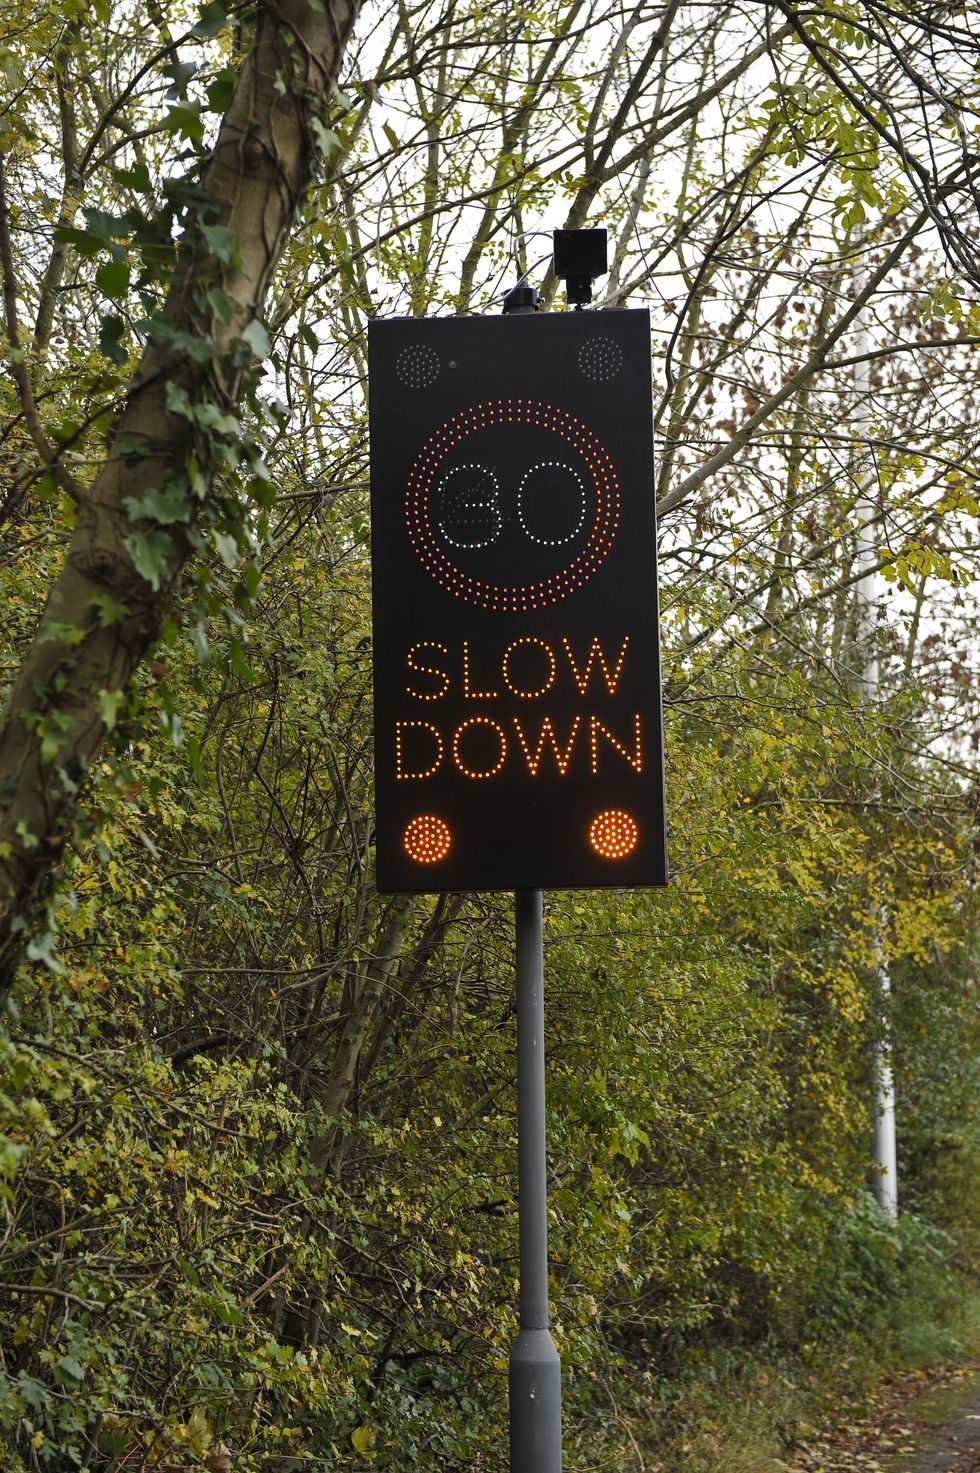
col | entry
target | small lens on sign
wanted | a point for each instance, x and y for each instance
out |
(427, 839)
(613, 834)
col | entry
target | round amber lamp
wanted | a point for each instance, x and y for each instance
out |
(427, 839)
(613, 833)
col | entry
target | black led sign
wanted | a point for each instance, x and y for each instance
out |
(516, 646)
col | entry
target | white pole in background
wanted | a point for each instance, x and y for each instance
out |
(884, 1154)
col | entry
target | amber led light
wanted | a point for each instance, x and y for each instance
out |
(529, 695)
(478, 772)
(583, 677)
(427, 644)
(402, 726)
(427, 839)
(613, 834)
(533, 759)
(635, 759)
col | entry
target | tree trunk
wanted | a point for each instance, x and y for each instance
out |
(102, 614)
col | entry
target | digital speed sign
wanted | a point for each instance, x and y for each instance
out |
(516, 647)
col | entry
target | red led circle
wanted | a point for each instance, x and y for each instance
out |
(511, 597)
(613, 834)
(427, 839)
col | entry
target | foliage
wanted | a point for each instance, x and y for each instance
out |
(258, 1164)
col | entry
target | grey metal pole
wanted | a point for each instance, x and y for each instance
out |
(535, 1370)
(884, 1173)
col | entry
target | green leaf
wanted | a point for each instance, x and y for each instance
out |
(52, 731)
(214, 18)
(228, 549)
(166, 505)
(29, 840)
(111, 611)
(108, 705)
(239, 660)
(151, 553)
(211, 417)
(105, 227)
(41, 949)
(61, 631)
(138, 177)
(256, 338)
(112, 278)
(33, 1392)
(180, 74)
(47, 488)
(85, 242)
(110, 334)
(69, 1369)
(185, 119)
(220, 304)
(221, 89)
(220, 241)
(184, 1264)
(228, 1313)
(325, 137)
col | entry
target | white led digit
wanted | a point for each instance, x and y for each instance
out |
(579, 492)
(468, 516)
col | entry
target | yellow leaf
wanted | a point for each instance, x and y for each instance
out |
(363, 1439)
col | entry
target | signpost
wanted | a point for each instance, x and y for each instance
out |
(517, 670)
